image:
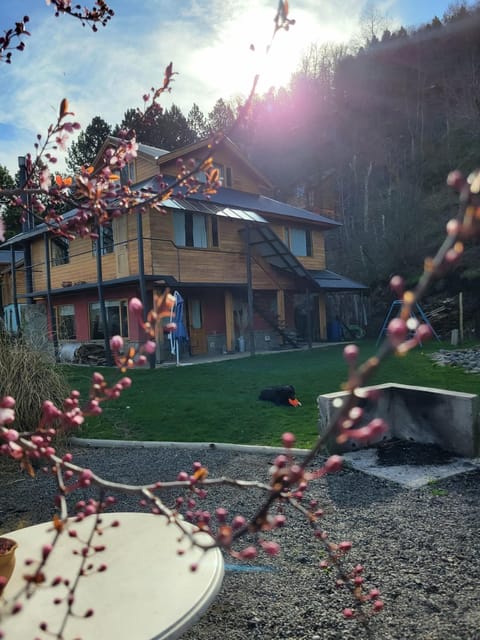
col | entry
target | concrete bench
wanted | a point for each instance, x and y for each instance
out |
(449, 419)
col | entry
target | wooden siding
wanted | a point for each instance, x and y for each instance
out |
(214, 265)
(318, 259)
(243, 178)
(145, 168)
(7, 285)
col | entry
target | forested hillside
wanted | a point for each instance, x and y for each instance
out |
(367, 134)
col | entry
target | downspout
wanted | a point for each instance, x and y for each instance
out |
(251, 333)
(14, 288)
(51, 311)
(101, 300)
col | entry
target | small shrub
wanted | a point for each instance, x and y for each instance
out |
(31, 377)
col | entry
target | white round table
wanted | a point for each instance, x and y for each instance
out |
(148, 591)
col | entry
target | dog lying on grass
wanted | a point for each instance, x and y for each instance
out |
(282, 395)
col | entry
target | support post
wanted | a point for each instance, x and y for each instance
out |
(251, 332)
(101, 300)
(51, 310)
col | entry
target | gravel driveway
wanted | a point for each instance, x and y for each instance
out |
(420, 547)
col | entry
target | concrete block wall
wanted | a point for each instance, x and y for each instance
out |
(449, 419)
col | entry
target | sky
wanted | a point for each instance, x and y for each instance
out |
(208, 41)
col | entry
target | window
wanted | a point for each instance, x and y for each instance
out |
(60, 250)
(65, 318)
(190, 229)
(117, 319)
(225, 175)
(106, 240)
(214, 229)
(228, 177)
(299, 241)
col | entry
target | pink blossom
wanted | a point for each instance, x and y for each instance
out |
(6, 415)
(116, 343)
(45, 179)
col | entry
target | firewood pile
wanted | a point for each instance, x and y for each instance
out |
(443, 315)
(90, 353)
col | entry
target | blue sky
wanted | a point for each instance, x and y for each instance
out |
(208, 41)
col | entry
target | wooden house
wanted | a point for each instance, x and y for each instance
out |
(250, 269)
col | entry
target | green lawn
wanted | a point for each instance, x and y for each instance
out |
(217, 402)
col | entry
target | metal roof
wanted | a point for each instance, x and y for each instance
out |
(205, 206)
(331, 281)
(242, 200)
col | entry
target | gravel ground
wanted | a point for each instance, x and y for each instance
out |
(420, 547)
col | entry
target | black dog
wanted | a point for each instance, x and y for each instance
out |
(283, 395)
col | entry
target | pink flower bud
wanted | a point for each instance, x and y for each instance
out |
(249, 553)
(397, 330)
(397, 284)
(288, 440)
(348, 613)
(350, 353)
(150, 346)
(238, 522)
(333, 464)
(271, 548)
(135, 305)
(46, 550)
(85, 478)
(221, 514)
(281, 461)
(7, 402)
(378, 605)
(116, 343)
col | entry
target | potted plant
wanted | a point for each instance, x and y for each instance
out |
(7, 561)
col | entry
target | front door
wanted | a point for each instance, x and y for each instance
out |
(196, 328)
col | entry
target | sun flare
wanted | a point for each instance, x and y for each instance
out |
(245, 48)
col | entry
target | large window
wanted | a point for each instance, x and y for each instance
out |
(299, 241)
(190, 229)
(105, 239)
(60, 250)
(195, 230)
(117, 319)
(65, 318)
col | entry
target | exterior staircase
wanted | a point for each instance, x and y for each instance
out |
(273, 320)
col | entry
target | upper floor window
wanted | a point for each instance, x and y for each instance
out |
(299, 241)
(192, 230)
(105, 239)
(225, 175)
(60, 250)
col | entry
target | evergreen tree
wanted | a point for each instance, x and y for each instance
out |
(221, 117)
(197, 122)
(89, 141)
(10, 215)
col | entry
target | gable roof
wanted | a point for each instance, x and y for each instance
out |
(145, 150)
(225, 142)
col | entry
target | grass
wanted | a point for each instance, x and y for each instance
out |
(217, 402)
